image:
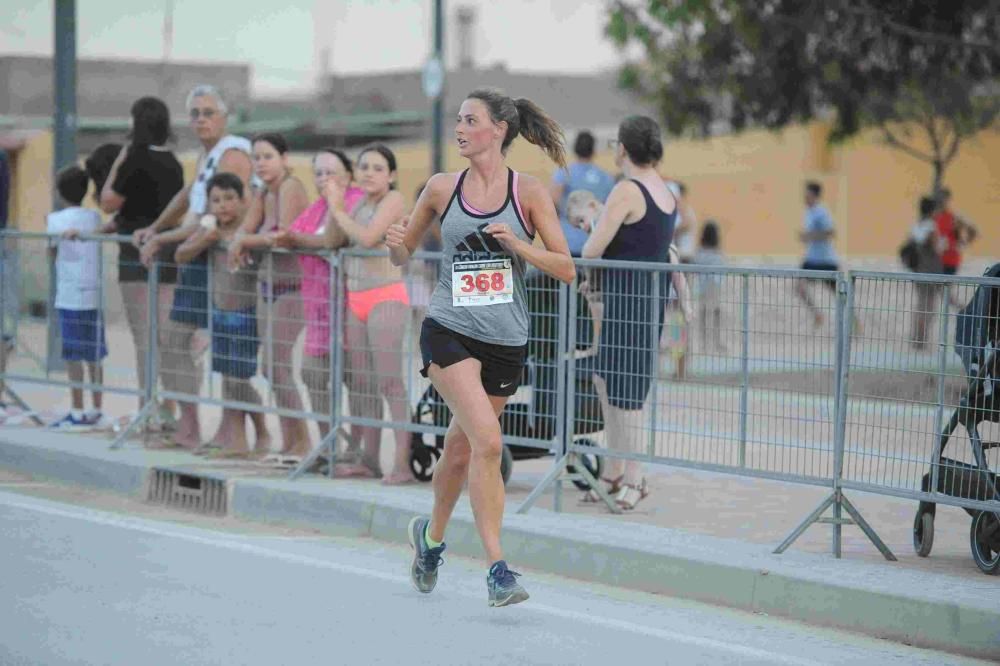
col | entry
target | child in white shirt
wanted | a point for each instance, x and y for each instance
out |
(78, 296)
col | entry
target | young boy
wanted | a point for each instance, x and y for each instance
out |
(234, 314)
(78, 296)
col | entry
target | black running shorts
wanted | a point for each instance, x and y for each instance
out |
(502, 364)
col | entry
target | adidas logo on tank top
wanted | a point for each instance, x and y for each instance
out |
(480, 291)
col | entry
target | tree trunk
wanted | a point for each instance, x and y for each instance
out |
(938, 183)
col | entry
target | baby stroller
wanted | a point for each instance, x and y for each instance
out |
(977, 338)
(535, 418)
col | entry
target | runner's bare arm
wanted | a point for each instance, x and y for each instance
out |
(553, 256)
(404, 238)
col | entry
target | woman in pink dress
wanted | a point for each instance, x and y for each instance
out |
(315, 229)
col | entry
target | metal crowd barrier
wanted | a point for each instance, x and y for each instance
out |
(862, 389)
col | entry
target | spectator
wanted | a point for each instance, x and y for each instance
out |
(710, 286)
(817, 234)
(141, 183)
(930, 247)
(958, 232)
(637, 225)
(687, 222)
(955, 230)
(234, 315)
(315, 229)
(187, 338)
(582, 174)
(378, 310)
(273, 210)
(78, 297)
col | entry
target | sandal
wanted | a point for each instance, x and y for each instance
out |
(614, 485)
(630, 495)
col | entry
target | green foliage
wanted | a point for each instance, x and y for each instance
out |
(768, 63)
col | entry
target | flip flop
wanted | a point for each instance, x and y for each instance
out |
(206, 450)
(223, 454)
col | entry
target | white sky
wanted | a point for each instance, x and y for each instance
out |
(283, 40)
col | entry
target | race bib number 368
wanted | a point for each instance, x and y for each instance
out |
(486, 282)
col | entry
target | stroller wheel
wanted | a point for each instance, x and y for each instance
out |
(424, 457)
(506, 464)
(984, 538)
(593, 462)
(923, 533)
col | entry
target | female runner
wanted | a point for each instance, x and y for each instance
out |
(474, 339)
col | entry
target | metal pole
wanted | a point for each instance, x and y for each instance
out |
(64, 130)
(744, 369)
(844, 329)
(64, 70)
(333, 363)
(942, 368)
(564, 432)
(437, 107)
(658, 311)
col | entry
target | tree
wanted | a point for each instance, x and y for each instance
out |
(908, 67)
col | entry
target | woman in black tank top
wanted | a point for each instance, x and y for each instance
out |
(464, 367)
(637, 225)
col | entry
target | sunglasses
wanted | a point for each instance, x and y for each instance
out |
(203, 113)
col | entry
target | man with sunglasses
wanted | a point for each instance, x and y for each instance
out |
(221, 153)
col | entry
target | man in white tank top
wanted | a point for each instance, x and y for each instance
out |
(221, 152)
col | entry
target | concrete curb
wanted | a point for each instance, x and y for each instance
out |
(928, 610)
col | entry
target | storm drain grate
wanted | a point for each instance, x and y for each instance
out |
(188, 492)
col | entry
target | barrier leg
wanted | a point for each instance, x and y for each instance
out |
(19, 401)
(559, 472)
(329, 445)
(147, 410)
(836, 499)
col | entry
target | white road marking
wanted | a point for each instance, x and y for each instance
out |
(148, 527)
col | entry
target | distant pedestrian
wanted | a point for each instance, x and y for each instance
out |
(582, 174)
(958, 232)
(929, 246)
(687, 222)
(78, 296)
(817, 234)
(710, 285)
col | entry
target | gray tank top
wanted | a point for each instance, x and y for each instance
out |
(476, 260)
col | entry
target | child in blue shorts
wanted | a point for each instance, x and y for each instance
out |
(234, 314)
(78, 296)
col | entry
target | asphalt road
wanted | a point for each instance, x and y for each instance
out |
(81, 585)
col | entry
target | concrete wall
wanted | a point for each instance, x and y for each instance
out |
(751, 183)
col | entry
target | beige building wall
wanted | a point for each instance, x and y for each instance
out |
(751, 183)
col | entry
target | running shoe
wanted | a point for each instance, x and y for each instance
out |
(70, 423)
(97, 420)
(426, 560)
(502, 585)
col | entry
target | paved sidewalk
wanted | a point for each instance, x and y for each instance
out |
(935, 605)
